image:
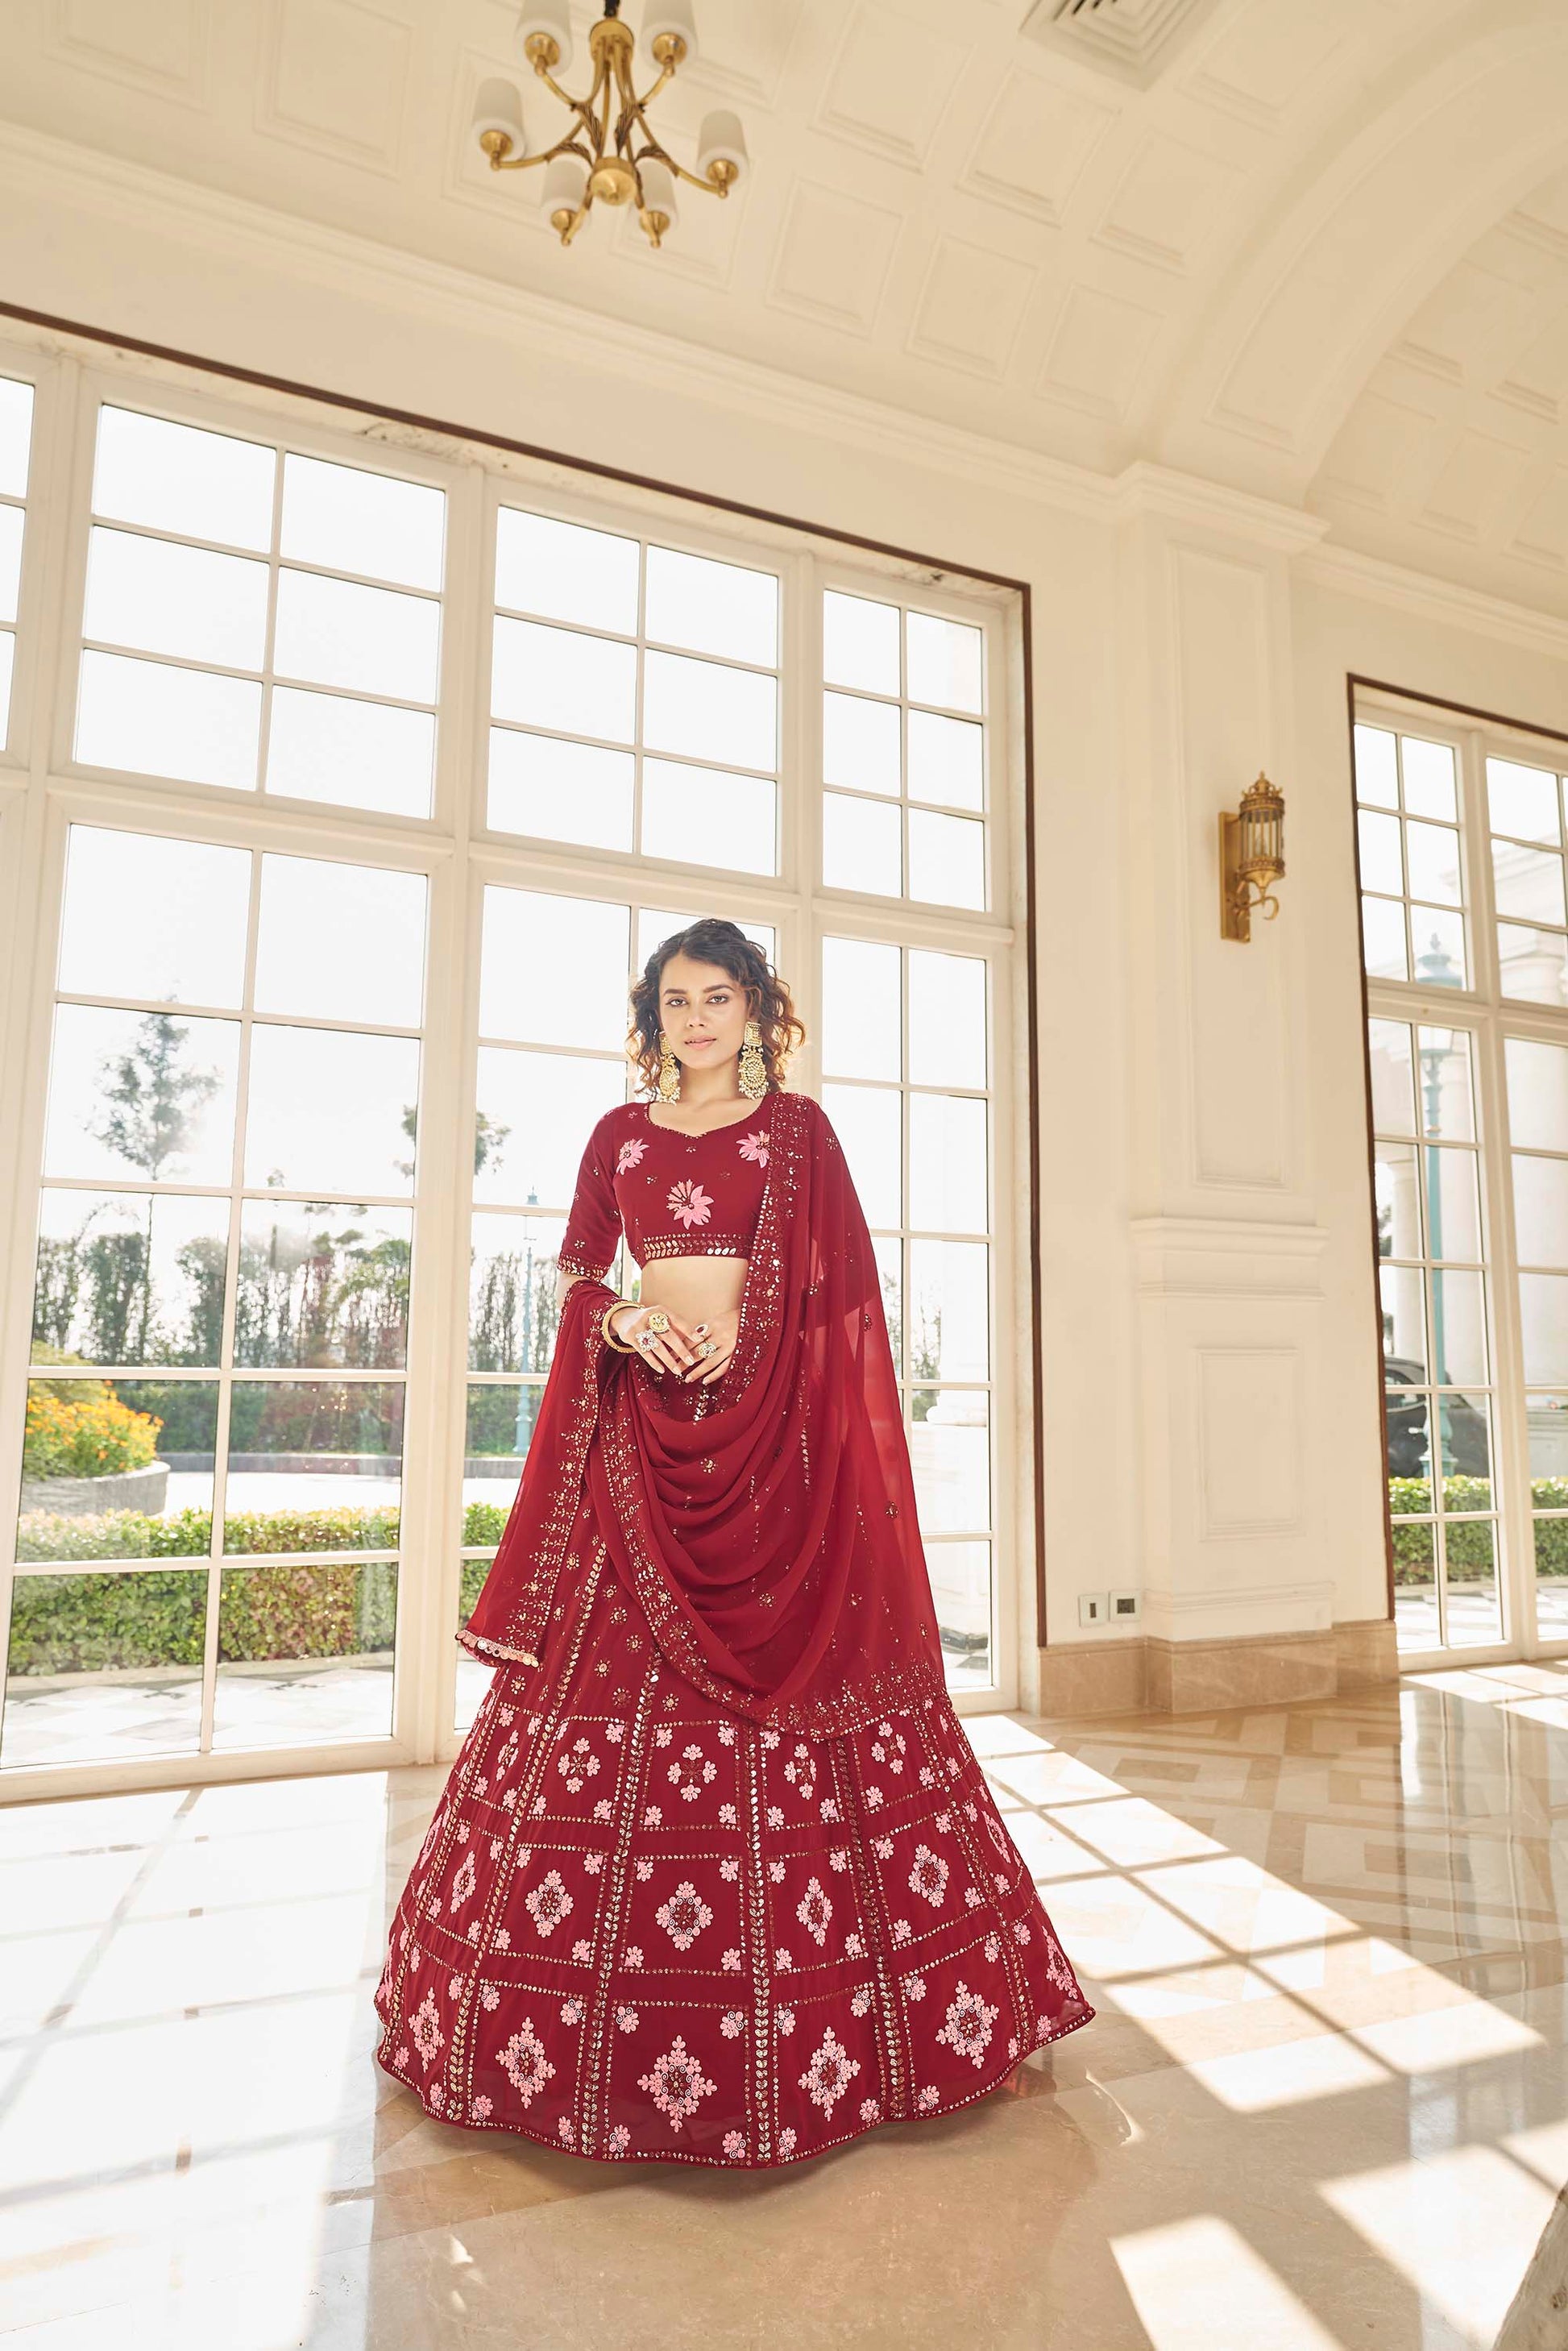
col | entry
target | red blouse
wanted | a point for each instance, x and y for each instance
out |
(675, 1194)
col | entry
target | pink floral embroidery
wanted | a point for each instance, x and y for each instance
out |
(525, 2064)
(677, 2084)
(688, 1203)
(629, 1156)
(755, 1146)
(830, 2072)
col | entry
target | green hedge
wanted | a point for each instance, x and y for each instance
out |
(1471, 1546)
(130, 1534)
(96, 1623)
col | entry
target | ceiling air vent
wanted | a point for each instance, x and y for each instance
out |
(1133, 39)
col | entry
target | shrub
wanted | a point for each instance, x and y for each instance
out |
(92, 1437)
(1471, 1547)
(96, 1624)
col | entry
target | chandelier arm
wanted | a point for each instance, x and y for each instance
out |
(653, 89)
(567, 145)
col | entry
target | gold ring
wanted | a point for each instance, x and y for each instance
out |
(658, 1319)
(709, 1347)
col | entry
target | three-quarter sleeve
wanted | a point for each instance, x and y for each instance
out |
(592, 1228)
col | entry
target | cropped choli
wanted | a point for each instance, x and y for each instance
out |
(674, 1195)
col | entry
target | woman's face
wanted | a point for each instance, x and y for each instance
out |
(703, 1012)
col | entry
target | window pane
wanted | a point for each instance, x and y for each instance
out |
(341, 942)
(1392, 1093)
(1376, 767)
(707, 817)
(501, 1418)
(560, 791)
(1551, 1578)
(1403, 1304)
(860, 744)
(1464, 1451)
(151, 917)
(1470, 1560)
(947, 662)
(117, 1470)
(350, 520)
(1537, 1094)
(1382, 865)
(363, 755)
(330, 1112)
(129, 1277)
(1416, 1621)
(949, 1324)
(10, 560)
(1439, 939)
(1459, 1331)
(1429, 769)
(141, 1093)
(512, 1292)
(564, 572)
(1432, 856)
(1383, 938)
(314, 1465)
(1523, 800)
(948, 1024)
(152, 720)
(104, 1668)
(860, 643)
(321, 1286)
(1543, 1312)
(962, 1588)
(1541, 1209)
(865, 1120)
(1447, 1100)
(947, 859)
(174, 478)
(535, 1113)
(7, 663)
(1533, 965)
(709, 712)
(334, 632)
(553, 971)
(305, 1654)
(948, 1163)
(1399, 1199)
(1527, 882)
(15, 436)
(861, 845)
(950, 1449)
(947, 760)
(1453, 1206)
(713, 607)
(556, 678)
(162, 598)
(861, 1013)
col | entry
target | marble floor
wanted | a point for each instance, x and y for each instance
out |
(1324, 2102)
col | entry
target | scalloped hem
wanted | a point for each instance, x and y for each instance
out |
(722, 2162)
(493, 1653)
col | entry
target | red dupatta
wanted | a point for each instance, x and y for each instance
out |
(765, 1523)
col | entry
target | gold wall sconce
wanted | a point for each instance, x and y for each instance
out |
(1252, 859)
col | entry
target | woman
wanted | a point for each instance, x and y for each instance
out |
(716, 1877)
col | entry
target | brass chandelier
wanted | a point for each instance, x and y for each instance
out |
(609, 154)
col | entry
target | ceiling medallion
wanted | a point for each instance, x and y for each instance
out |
(609, 155)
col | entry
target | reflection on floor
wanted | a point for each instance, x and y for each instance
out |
(1324, 2103)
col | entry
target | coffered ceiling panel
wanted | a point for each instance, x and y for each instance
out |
(972, 306)
(157, 44)
(335, 76)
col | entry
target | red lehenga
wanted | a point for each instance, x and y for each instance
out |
(716, 1877)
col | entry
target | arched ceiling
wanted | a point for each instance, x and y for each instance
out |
(1315, 248)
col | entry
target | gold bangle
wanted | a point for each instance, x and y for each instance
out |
(608, 1336)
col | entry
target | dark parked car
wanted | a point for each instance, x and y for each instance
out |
(1466, 1450)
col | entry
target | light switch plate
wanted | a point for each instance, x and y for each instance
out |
(1092, 1608)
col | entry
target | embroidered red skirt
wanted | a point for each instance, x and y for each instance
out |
(643, 1928)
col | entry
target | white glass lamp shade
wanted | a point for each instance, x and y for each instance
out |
(722, 140)
(551, 16)
(565, 183)
(671, 16)
(659, 190)
(499, 107)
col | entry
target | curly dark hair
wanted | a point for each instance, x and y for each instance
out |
(716, 941)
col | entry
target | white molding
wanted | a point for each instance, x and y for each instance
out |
(1238, 1612)
(1241, 1256)
(1445, 602)
(1143, 488)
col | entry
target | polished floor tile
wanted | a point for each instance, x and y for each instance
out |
(1324, 2105)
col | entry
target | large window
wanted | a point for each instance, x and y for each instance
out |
(369, 780)
(1461, 842)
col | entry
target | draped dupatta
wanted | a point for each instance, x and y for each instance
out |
(765, 1524)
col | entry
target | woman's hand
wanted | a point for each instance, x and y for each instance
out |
(670, 1350)
(723, 1330)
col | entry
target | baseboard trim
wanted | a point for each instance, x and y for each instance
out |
(1150, 1675)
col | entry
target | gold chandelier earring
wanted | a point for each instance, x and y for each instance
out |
(754, 1069)
(669, 1072)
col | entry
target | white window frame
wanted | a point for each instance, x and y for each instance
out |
(43, 791)
(1489, 1018)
